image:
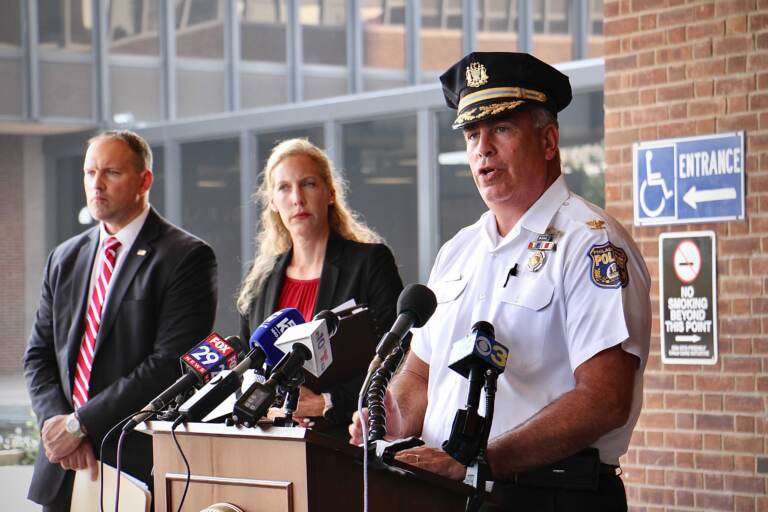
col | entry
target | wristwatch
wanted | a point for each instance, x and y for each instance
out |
(73, 425)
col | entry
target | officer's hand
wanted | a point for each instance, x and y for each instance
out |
(433, 460)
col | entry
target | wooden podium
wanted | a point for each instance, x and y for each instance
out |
(284, 469)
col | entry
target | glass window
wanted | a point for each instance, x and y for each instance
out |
(66, 89)
(324, 46)
(383, 44)
(460, 203)
(263, 71)
(262, 30)
(441, 36)
(65, 25)
(136, 93)
(552, 30)
(135, 84)
(582, 152)
(380, 166)
(200, 81)
(211, 210)
(497, 26)
(12, 87)
(157, 194)
(11, 59)
(71, 214)
(134, 27)
(595, 36)
(200, 91)
(200, 28)
(10, 23)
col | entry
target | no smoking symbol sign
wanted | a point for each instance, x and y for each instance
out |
(687, 261)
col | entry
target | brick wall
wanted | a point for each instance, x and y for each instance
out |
(677, 68)
(13, 336)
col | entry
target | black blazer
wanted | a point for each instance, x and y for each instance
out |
(161, 303)
(351, 270)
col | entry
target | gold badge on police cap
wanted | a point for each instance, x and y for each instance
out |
(476, 75)
(536, 261)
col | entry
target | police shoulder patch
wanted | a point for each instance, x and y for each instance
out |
(608, 266)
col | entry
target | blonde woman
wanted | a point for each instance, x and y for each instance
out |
(312, 253)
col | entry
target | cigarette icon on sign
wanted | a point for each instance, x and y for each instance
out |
(690, 338)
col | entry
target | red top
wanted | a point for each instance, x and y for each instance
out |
(299, 294)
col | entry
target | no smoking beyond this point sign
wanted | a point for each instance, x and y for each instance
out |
(688, 297)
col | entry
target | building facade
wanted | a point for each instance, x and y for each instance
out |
(214, 84)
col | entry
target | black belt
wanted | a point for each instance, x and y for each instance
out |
(609, 469)
(579, 471)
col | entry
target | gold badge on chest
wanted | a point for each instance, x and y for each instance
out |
(536, 261)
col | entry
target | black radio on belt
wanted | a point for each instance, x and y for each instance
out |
(579, 471)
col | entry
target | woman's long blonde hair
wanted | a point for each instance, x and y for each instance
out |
(274, 239)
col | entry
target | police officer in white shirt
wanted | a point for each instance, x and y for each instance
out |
(565, 287)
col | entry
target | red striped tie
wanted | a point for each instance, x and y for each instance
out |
(92, 322)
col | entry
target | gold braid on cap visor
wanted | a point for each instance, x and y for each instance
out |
(507, 93)
(485, 111)
(471, 114)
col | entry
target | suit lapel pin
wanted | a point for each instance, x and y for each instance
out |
(141, 252)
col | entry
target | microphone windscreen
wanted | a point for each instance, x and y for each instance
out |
(331, 320)
(239, 346)
(419, 301)
(211, 355)
(270, 330)
(486, 327)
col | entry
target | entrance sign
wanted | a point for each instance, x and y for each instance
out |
(688, 297)
(693, 179)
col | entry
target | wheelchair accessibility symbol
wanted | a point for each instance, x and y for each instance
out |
(688, 179)
(657, 172)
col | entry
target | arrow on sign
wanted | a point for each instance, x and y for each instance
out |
(690, 338)
(693, 196)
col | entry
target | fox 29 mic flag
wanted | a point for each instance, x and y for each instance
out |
(210, 356)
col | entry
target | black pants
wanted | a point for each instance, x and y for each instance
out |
(609, 497)
(61, 502)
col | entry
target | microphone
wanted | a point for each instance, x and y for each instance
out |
(481, 359)
(226, 383)
(240, 347)
(478, 350)
(220, 387)
(270, 330)
(310, 348)
(255, 402)
(211, 355)
(415, 306)
(314, 335)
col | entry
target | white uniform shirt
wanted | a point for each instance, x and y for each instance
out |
(586, 297)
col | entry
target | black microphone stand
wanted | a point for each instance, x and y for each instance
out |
(468, 442)
(290, 391)
(479, 472)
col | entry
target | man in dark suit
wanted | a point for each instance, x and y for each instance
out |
(119, 304)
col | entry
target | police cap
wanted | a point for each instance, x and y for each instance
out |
(485, 85)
